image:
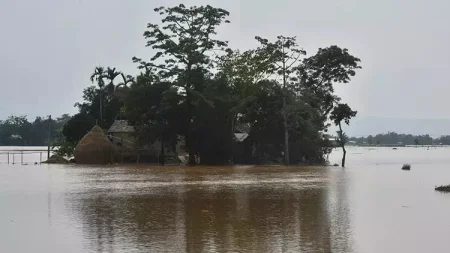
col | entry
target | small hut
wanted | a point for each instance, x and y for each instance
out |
(95, 148)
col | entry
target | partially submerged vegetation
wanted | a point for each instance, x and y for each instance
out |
(197, 87)
(443, 188)
(406, 167)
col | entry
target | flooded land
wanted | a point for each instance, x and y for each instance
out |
(370, 206)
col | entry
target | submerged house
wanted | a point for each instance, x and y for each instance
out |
(243, 148)
(122, 135)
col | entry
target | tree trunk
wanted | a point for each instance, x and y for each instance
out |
(189, 139)
(343, 156)
(342, 145)
(101, 109)
(285, 122)
(286, 134)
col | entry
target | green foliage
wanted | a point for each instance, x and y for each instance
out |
(182, 43)
(444, 140)
(393, 138)
(64, 148)
(154, 110)
(78, 126)
(319, 72)
(93, 97)
(196, 87)
(342, 112)
(280, 57)
(18, 131)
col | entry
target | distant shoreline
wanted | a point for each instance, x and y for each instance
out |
(395, 146)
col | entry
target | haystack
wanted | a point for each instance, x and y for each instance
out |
(56, 159)
(95, 148)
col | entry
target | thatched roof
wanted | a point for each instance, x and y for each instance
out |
(95, 148)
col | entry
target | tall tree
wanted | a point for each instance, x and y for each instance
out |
(240, 71)
(342, 112)
(282, 58)
(111, 74)
(183, 48)
(318, 73)
(98, 76)
(153, 109)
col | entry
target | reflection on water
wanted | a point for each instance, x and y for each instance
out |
(210, 210)
(371, 206)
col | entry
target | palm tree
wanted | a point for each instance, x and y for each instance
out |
(110, 75)
(126, 80)
(98, 75)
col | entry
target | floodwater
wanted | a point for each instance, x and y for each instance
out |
(370, 206)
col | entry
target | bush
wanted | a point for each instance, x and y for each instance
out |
(64, 148)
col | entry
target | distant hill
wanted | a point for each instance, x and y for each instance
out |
(364, 126)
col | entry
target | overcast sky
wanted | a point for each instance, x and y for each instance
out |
(49, 48)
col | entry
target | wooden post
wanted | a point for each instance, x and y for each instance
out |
(21, 157)
(48, 141)
(13, 158)
(8, 157)
(40, 158)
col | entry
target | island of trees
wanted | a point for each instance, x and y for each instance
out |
(196, 87)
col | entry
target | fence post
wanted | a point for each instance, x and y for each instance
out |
(40, 158)
(8, 157)
(13, 158)
(21, 157)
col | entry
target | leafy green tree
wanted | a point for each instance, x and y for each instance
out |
(196, 87)
(153, 108)
(370, 139)
(342, 112)
(281, 58)
(240, 72)
(318, 73)
(182, 48)
(93, 97)
(78, 126)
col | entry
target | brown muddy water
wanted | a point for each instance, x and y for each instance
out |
(371, 206)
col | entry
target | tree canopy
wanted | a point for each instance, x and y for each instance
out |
(195, 87)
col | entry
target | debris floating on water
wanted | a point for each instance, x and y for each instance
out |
(443, 188)
(406, 167)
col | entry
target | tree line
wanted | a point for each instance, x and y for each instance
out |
(197, 87)
(393, 138)
(18, 131)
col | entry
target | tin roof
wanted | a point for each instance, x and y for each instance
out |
(121, 126)
(240, 137)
